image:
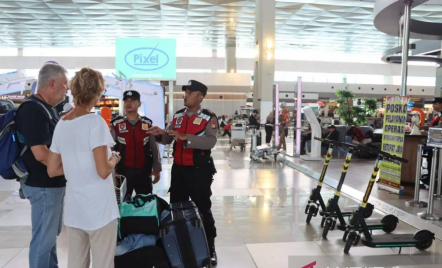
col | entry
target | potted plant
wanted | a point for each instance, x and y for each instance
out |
(354, 115)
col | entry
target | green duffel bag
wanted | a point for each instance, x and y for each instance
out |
(140, 215)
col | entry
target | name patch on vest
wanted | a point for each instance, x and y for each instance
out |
(145, 126)
(197, 121)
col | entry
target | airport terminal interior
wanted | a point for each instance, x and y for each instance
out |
(328, 150)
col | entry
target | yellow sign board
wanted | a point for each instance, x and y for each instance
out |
(393, 139)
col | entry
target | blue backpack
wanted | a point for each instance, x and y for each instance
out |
(12, 166)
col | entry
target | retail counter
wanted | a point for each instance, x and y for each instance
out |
(408, 171)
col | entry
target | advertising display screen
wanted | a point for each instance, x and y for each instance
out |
(146, 58)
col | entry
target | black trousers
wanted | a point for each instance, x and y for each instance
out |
(138, 179)
(269, 133)
(195, 182)
(228, 133)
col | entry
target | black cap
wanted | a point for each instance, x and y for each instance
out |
(194, 85)
(131, 94)
(255, 111)
(437, 100)
(332, 126)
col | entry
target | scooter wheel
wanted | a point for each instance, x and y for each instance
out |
(311, 211)
(390, 223)
(344, 238)
(349, 243)
(327, 225)
(368, 211)
(307, 209)
(322, 222)
(333, 225)
(426, 237)
(356, 242)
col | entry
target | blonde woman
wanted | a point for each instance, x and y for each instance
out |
(80, 146)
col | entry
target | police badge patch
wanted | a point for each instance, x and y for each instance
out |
(122, 128)
(179, 121)
(145, 126)
(213, 123)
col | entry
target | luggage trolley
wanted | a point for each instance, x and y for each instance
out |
(239, 134)
(120, 187)
(260, 152)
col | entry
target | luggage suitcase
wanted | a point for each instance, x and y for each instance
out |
(145, 257)
(183, 237)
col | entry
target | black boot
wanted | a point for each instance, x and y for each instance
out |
(213, 257)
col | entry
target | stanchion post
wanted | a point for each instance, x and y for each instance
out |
(429, 215)
(438, 194)
(415, 202)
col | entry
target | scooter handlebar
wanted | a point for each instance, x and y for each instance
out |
(386, 155)
(337, 143)
(361, 147)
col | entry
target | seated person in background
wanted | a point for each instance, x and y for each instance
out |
(333, 134)
(358, 136)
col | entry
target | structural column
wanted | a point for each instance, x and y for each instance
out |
(264, 75)
(405, 45)
(20, 54)
(214, 56)
(170, 112)
(231, 59)
(438, 88)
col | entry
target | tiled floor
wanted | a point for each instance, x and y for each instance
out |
(259, 213)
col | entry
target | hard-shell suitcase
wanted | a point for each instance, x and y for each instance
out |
(146, 257)
(183, 237)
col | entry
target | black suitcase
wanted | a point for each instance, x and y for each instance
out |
(146, 257)
(183, 236)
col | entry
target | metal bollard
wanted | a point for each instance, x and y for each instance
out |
(429, 215)
(415, 202)
(438, 195)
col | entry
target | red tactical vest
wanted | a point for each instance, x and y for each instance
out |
(195, 125)
(435, 121)
(133, 142)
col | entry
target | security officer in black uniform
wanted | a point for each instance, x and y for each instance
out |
(194, 131)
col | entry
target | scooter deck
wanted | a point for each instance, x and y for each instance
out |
(392, 240)
(344, 213)
(372, 224)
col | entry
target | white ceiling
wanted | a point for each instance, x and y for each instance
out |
(333, 25)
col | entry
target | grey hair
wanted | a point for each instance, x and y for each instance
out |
(47, 72)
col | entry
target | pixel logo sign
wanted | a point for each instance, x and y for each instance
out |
(146, 58)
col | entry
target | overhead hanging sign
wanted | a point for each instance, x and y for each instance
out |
(393, 140)
(146, 58)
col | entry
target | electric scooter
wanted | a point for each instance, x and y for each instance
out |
(422, 239)
(315, 201)
(333, 214)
